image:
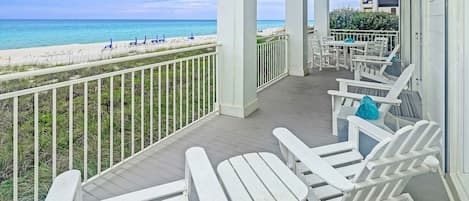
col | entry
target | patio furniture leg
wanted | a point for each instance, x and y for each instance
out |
(337, 60)
(320, 63)
(357, 73)
(334, 116)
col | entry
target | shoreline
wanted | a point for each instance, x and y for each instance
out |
(81, 53)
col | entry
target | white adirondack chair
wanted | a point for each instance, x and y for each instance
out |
(323, 55)
(338, 172)
(199, 173)
(345, 103)
(376, 48)
(66, 187)
(374, 68)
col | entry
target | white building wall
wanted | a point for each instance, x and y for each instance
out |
(434, 62)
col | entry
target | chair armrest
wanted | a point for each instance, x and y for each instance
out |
(199, 171)
(357, 50)
(203, 176)
(66, 187)
(376, 58)
(355, 96)
(368, 128)
(371, 85)
(372, 61)
(312, 161)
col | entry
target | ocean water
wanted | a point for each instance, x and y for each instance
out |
(36, 33)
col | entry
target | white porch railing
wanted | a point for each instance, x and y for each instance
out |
(310, 41)
(271, 60)
(368, 35)
(95, 123)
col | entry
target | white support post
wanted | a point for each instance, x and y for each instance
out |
(321, 17)
(237, 29)
(296, 24)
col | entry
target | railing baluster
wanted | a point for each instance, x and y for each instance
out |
(214, 77)
(54, 133)
(180, 94)
(269, 61)
(132, 121)
(265, 63)
(159, 103)
(85, 132)
(187, 92)
(174, 88)
(198, 88)
(70, 128)
(122, 117)
(99, 127)
(151, 105)
(15, 148)
(167, 99)
(209, 83)
(142, 110)
(193, 90)
(258, 65)
(203, 85)
(277, 56)
(262, 60)
(111, 121)
(36, 146)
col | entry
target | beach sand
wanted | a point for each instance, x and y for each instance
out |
(80, 53)
(77, 53)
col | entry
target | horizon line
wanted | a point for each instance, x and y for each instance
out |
(129, 19)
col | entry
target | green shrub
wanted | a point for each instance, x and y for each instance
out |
(349, 18)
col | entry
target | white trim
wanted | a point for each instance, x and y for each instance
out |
(458, 187)
(465, 86)
(456, 65)
(237, 111)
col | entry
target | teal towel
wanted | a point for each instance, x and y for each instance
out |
(349, 40)
(368, 109)
(394, 58)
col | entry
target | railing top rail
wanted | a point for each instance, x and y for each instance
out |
(60, 69)
(273, 36)
(94, 77)
(364, 31)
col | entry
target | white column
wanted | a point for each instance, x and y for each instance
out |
(296, 24)
(321, 17)
(237, 29)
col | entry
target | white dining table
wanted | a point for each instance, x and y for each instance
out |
(346, 46)
(260, 177)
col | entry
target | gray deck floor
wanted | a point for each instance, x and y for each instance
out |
(300, 104)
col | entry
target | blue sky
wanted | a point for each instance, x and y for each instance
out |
(137, 9)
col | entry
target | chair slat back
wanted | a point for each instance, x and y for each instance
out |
(383, 44)
(398, 86)
(394, 161)
(319, 47)
(390, 58)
